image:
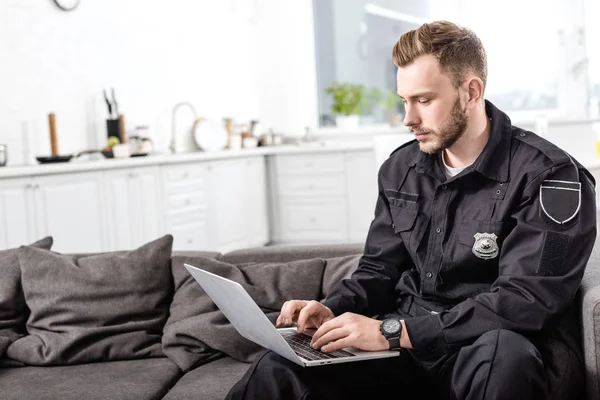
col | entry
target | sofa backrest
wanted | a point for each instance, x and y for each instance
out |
(291, 253)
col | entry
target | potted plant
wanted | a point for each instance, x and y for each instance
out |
(348, 100)
(392, 104)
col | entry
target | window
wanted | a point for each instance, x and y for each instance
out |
(542, 54)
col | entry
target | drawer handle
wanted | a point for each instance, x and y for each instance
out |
(190, 241)
(187, 202)
(309, 165)
(311, 187)
(312, 220)
(186, 175)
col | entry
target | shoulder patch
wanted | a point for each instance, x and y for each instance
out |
(403, 146)
(560, 200)
(550, 150)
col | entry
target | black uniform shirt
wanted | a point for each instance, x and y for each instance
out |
(502, 245)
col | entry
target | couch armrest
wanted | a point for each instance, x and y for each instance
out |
(590, 327)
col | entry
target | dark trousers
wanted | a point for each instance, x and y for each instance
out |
(499, 365)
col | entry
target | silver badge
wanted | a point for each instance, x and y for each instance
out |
(485, 246)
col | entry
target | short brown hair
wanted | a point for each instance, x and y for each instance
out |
(458, 50)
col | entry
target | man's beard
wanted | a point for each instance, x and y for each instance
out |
(451, 130)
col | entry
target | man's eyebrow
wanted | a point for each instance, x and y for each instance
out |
(420, 94)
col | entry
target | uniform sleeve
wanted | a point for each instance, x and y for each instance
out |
(370, 289)
(541, 265)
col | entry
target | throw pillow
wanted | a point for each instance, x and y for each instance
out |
(103, 307)
(197, 332)
(13, 310)
(336, 270)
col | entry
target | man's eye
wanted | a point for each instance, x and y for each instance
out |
(424, 101)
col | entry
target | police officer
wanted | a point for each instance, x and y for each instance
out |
(481, 235)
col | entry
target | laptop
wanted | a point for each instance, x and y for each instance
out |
(249, 320)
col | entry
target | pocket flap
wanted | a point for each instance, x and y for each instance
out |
(404, 214)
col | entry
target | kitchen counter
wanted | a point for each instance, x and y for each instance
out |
(81, 165)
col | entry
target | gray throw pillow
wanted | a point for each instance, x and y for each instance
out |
(103, 307)
(336, 270)
(13, 309)
(197, 332)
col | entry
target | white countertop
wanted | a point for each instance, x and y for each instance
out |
(81, 165)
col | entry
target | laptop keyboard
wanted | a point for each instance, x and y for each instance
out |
(300, 343)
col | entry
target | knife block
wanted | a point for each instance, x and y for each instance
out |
(113, 128)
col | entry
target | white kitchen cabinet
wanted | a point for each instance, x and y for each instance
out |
(322, 198)
(17, 213)
(256, 188)
(185, 194)
(361, 193)
(238, 203)
(134, 207)
(190, 234)
(322, 220)
(308, 192)
(69, 207)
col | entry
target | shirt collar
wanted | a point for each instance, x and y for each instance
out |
(494, 160)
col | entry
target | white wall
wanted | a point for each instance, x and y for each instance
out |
(154, 53)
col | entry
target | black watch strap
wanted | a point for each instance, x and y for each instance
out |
(394, 343)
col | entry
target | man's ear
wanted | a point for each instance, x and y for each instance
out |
(474, 91)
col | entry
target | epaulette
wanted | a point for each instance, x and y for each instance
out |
(550, 150)
(403, 146)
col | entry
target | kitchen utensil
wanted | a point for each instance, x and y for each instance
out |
(209, 135)
(3, 155)
(64, 158)
(114, 101)
(108, 104)
(53, 137)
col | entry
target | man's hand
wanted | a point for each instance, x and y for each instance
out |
(306, 314)
(350, 330)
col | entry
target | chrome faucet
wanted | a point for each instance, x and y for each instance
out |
(173, 131)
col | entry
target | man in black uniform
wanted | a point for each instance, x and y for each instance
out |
(481, 235)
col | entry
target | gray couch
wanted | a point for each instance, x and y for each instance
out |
(211, 374)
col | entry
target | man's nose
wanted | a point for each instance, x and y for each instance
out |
(411, 118)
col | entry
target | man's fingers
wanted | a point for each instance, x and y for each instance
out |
(303, 316)
(288, 311)
(337, 345)
(331, 336)
(334, 323)
(312, 309)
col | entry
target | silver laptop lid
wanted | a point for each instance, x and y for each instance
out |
(243, 313)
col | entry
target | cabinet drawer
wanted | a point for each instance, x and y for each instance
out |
(309, 164)
(311, 185)
(186, 201)
(190, 235)
(184, 172)
(325, 220)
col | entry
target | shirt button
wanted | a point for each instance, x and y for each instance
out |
(438, 230)
(429, 275)
(522, 134)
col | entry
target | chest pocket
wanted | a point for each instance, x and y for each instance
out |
(404, 212)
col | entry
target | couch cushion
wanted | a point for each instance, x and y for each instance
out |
(134, 379)
(211, 381)
(291, 253)
(105, 307)
(196, 328)
(13, 309)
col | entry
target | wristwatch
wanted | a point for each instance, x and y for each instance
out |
(391, 329)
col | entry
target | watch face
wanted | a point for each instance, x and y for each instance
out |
(391, 326)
